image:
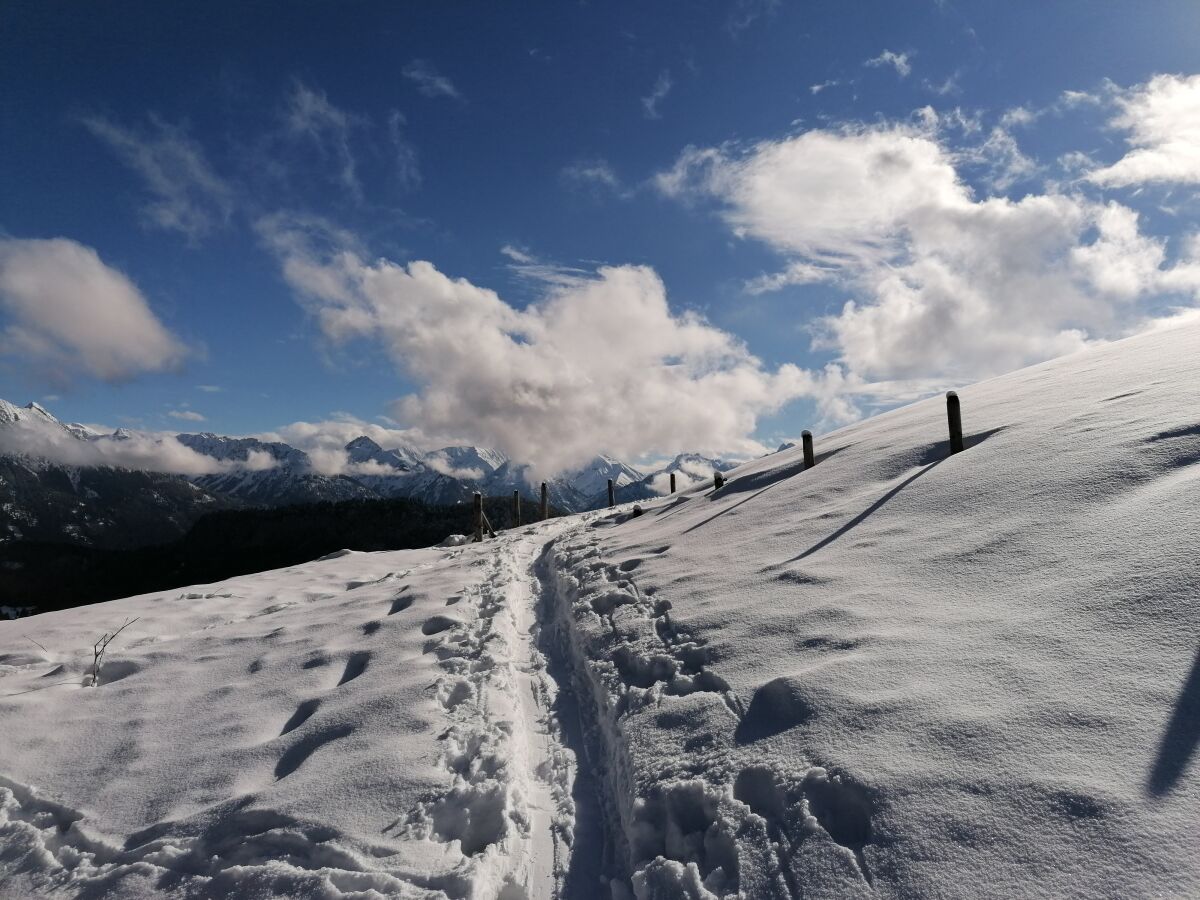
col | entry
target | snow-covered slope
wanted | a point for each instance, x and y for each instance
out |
(900, 673)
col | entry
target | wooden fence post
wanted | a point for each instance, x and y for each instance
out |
(954, 416)
(810, 459)
(718, 481)
(545, 503)
(612, 494)
(477, 503)
(516, 509)
(672, 482)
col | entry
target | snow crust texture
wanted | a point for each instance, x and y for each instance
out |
(900, 673)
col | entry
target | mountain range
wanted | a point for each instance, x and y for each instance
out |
(113, 506)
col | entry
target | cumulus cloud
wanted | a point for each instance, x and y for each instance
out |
(898, 61)
(604, 364)
(662, 87)
(1162, 118)
(67, 313)
(189, 196)
(944, 285)
(429, 81)
(145, 451)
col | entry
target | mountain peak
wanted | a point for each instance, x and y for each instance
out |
(363, 443)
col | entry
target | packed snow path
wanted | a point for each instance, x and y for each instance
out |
(901, 673)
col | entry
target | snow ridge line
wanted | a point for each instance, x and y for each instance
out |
(508, 810)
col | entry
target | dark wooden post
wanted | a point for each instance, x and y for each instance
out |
(477, 503)
(672, 482)
(718, 481)
(810, 459)
(516, 508)
(954, 416)
(545, 503)
(612, 494)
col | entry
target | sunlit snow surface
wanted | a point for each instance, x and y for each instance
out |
(898, 674)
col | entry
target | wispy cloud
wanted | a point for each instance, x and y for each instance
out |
(662, 87)
(429, 81)
(408, 172)
(209, 388)
(186, 415)
(529, 267)
(188, 195)
(595, 176)
(310, 116)
(823, 86)
(898, 61)
(746, 12)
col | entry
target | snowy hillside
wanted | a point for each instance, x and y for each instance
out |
(900, 673)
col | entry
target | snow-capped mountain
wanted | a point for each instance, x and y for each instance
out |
(363, 450)
(689, 469)
(99, 506)
(593, 478)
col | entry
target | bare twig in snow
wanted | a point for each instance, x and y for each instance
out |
(100, 646)
(44, 650)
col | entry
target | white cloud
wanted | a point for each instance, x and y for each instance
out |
(823, 86)
(325, 442)
(209, 388)
(796, 273)
(944, 285)
(67, 313)
(596, 176)
(309, 115)
(1162, 118)
(148, 451)
(746, 12)
(408, 172)
(601, 365)
(898, 61)
(189, 197)
(531, 268)
(187, 415)
(662, 87)
(429, 81)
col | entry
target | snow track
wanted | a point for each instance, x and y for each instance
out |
(509, 806)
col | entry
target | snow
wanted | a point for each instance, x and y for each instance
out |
(900, 673)
(592, 479)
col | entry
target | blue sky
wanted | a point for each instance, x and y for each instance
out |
(206, 211)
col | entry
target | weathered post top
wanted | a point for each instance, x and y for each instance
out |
(477, 510)
(672, 482)
(612, 493)
(516, 508)
(810, 458)
(545, 503)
